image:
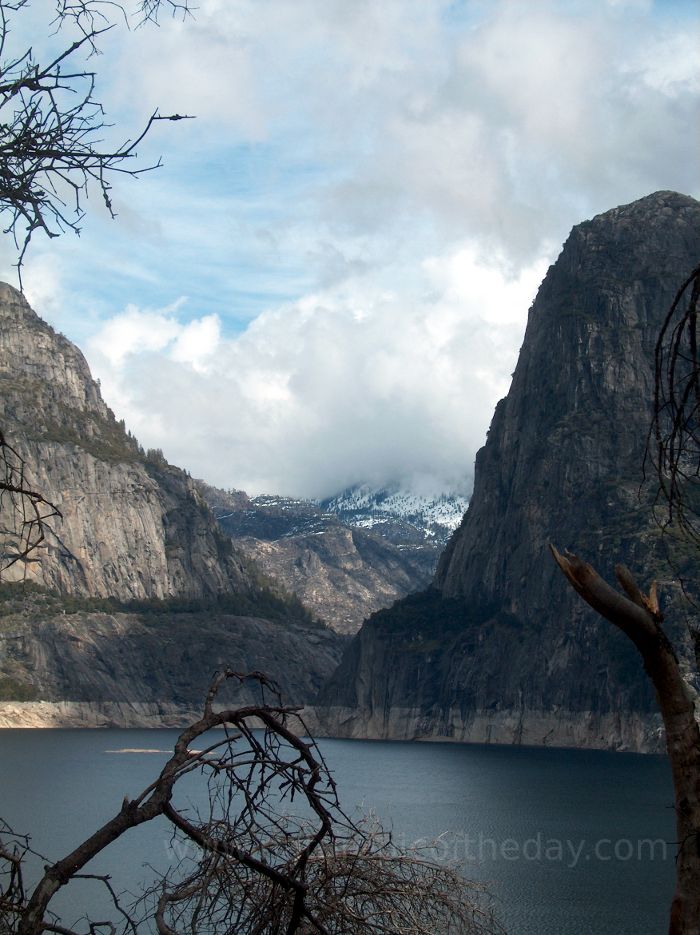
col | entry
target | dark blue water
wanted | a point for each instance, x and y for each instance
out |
(570, 842)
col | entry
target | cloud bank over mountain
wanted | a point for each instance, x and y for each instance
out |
(341, 386)
(328, 280)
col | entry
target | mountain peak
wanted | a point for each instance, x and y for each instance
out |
(14, 306)
(502, 650)
(651, 211)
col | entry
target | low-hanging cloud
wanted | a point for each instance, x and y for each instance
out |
(359, 214)
(341, 387)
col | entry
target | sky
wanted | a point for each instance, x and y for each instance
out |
(327, 282)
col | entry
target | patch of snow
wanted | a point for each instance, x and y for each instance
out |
(435, 515)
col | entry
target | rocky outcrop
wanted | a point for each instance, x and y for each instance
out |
(500, 648)
(137, 596)
(339, 573)
(131, 526)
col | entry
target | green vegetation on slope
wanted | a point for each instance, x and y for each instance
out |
(32, 599)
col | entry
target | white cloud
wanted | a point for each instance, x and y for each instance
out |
(366, 194)
(668, 62)
(136, 331)
(341, 387)
(197, 342)
(542, 116)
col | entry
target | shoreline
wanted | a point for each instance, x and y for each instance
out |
(563, 730)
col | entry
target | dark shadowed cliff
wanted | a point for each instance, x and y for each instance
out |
(500, 649)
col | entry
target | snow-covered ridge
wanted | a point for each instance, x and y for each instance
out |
(436, 515)
(406, 518)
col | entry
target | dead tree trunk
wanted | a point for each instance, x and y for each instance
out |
(638, 616)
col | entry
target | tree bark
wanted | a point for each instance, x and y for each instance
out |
(639, 617)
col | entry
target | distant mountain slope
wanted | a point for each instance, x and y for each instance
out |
(400, 515)
(500, 648)
(134, 528)
(340, 573)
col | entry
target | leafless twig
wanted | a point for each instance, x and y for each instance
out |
(674, 441)
(25, 514)
(51, 127)
(274, 853)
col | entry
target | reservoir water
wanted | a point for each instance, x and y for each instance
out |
(570, 842)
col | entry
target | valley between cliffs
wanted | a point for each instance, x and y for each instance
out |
(140, 593)
(340, 571)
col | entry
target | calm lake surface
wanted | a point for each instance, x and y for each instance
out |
(571, 842)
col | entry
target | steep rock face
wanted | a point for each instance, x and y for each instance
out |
(136, 597)
(84, 668)
(342, 575)
(566, 446)
(500, 648)
(132, 527)
(339, 573)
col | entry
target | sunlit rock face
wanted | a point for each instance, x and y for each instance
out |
(500, 648)
(131, 526)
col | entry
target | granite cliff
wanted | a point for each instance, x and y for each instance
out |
(136, 596)
(499, 648)
(84, 663)
(132, 526)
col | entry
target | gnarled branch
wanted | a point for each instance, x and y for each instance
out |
(51, 127)
(639, 617)
(266, 863)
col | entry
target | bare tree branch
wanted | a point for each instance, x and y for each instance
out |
(674, 439)
(274, 853)
(25, 514)
(639, 617)
(51, 127)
